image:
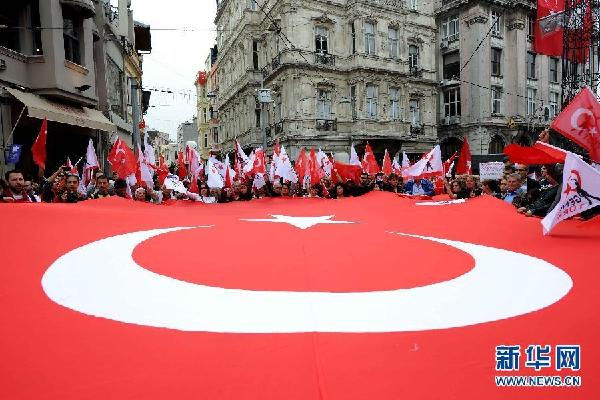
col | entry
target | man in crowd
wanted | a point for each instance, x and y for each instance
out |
(514, 189)
(30, 189)
(101, 188)
(419, 187)
(393, 184)
(70, 193)
(15, 191)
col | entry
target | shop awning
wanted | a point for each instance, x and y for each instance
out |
(39, 107)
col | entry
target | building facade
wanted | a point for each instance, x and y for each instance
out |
(187, 132)
(494, 89)
(339, 72)
(61, 75)
(203, 115)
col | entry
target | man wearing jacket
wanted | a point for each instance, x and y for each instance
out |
(15, 192)
(418, 186)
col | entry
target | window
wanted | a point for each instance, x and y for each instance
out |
(530, 27)
(252, 5)
(497, 24)
(206, 140)
(353, 101)
(323, 104)
(496, 62)
(531, 65)
(452, 102)
(394, 104)
(415, 113)
(372, 101)
(496, 100)
(215, 135)
(531, 93)
(496, 145)
(321, 39)
(412, 5)
(369, 38)
(553, 104)
(115, 87)
(10, 16)
(255, 55)
(257, 112)
(393, 42)
(451, 65)
(353, 37)
(450, 28)
(413, 57)
(72, 27)
(553, 69)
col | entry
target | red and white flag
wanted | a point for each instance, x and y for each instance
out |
(580, 192)
(354, 160)
(122, 159)
(162, 170)
(39, 146)
(284, 168)
(91, 162)
(214, 180)
(302, 167)
(387, 163)
(324, 162)
(580, 122)
(463, 165)
(144, 173)
(429, 165)
(369, 163)
(72, 168)
(405, 160)
(449, 164)
(316, 172)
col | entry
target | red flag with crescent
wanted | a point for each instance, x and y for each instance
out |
(580, 121)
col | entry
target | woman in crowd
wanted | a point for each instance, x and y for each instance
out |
(457, 189)
(472, 186)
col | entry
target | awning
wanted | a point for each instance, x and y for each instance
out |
(39, 107)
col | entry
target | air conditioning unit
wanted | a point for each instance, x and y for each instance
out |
(444, 44)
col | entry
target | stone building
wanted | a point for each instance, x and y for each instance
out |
(187, 132)
(339, 72)
(203, 115)
(501, 92)
(63, 75)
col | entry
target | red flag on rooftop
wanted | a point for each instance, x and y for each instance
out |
(580, 121)
(39, 147)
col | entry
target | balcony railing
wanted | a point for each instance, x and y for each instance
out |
(276, 62)
(326, 124)
(324, 59)
(416, 72)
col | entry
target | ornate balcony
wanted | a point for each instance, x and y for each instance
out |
(326, 125)
(324, 59)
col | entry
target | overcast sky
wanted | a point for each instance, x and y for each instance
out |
(176, 56)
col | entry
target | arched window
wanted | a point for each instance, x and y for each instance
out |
(496, 145)
(449, 146)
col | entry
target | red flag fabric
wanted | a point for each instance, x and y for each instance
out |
(316, 172)
(228, 182)
(122, 159)
(301, 166)
(132, 290)
(259, 162)
(346, 171)
(39, 147)
(276, 149)
(448, 163)
(580, 122)
(162, 170)
(548, 35)
(181, 168)
(540, 153)
(370, 165)
(387, 163)
(463, 165)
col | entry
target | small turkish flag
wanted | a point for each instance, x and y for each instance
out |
(181, 169)
(387, 163)
(463, 166)
(122, 159)
(579, 122)
(369, 162)
(39, 147)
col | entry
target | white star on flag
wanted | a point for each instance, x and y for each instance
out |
(300, 222)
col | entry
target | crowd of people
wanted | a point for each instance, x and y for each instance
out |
(533, 192)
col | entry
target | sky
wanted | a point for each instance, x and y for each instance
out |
(176, 56)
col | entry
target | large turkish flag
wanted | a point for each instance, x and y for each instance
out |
(376, 297)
